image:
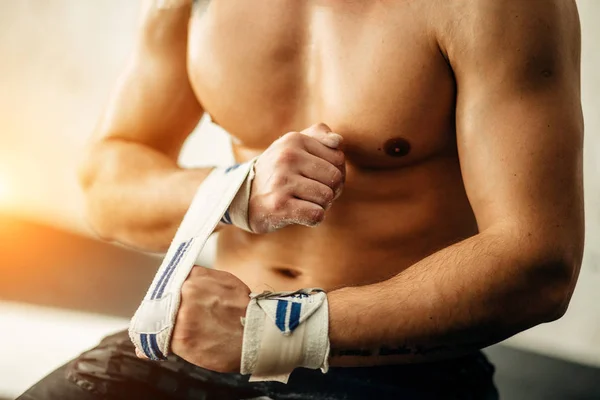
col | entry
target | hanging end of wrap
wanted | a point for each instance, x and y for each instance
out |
(150, 328)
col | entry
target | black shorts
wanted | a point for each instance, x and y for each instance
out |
(112, 371)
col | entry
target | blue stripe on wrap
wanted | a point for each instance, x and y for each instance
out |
(154, 347)
(234, 166)
(145, 347)
(280, 314)
(160, 281)
(226, 218)
(295, 315)
(168, 273)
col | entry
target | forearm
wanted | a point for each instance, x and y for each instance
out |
(460, 299)
(136, 195)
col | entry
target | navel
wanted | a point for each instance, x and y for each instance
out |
(288, 272)
(396, 147)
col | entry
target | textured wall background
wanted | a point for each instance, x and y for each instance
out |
(58, 61)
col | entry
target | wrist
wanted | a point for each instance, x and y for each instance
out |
(342, 317)
(283, 331)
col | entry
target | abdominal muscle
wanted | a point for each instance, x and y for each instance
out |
(384, 222)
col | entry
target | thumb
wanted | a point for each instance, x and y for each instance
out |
(323, 134)
(140, 354)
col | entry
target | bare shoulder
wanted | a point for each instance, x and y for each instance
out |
(541, 32)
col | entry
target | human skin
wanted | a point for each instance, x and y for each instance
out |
(462, 139)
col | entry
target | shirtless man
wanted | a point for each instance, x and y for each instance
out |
(460, 219)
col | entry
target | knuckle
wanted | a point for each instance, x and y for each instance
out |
(228, 281)
(316, 216)
(328, 195)
(336, 177)
(195, 284)
(198, 271)
(279, 180)
(339, 158)
(277, 203)
(224, 276)
(293, 138)
(321, 127)
(188, 288)
(287, 156)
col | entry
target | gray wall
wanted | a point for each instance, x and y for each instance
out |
(58, 61)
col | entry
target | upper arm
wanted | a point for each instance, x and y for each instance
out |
(518, 115)
(153, 103)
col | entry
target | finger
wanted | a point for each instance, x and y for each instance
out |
(319, 127)
(324, 135)
(321, 171)
(303, 212)
(318, 149)
(141, 355)
(313, 191)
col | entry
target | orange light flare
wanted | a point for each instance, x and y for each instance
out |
(4, 191)
(7, 195)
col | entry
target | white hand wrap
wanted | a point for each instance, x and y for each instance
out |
(283, 331)
(237, 213)
(152, 325)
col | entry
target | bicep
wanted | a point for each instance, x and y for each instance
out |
(518, 117)
(153, 103)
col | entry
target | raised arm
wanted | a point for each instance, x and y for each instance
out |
(135, 191)
(520, 138)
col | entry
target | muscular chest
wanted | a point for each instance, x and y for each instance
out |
(367, 69)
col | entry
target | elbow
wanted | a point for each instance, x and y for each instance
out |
(100, 174)
(98, 221)
(555, 300)
(104, 178)
(551, 286)
(96, 210)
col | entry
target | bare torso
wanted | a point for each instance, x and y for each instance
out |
(374, 73)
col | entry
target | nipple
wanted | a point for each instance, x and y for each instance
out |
(396, 147)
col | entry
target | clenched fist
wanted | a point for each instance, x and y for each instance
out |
(297, 179)
(208, 330)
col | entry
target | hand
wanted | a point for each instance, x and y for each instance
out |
(208, 331)
(297, 179)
